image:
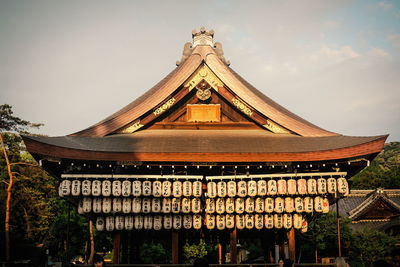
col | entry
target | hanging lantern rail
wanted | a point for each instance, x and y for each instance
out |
(128, 176)
(277, 175)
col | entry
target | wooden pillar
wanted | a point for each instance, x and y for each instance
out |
(116, 250)
(292, 244)
(233, 244)
(175, 247)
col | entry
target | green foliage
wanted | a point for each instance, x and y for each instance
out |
(384, 170)
(152, 253)
(369, 246)
(194, 251)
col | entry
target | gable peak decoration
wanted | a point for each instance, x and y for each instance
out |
(202, 38)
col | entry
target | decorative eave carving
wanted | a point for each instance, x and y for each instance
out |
(275, 128)
(132, 127)
(242, 107)
(164, 107)
(203, 73)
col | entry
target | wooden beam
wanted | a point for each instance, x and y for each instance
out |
(175, 247)
(292, 244)
(116, 250)
(233, 244)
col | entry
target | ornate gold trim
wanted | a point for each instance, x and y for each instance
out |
(242, 107)
(203, 73)
(133, 127)
(164, 107)
(275, 128)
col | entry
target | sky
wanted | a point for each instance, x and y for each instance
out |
(70, 64)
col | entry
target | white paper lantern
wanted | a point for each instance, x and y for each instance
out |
(287, 221)
(196, 205)
(325, 205)
(136, 188)
(166, 189)
(110, 223)
(177, 189)
(297, 221)
(100, 224)
(282, 187)
(187, 221)
(220, 205)
(302, 186)
(252, 188)
(128, 223)
(106, 205)
(322, 186)
(259, 205)
(211, 189)
(146, 188)
(126, 205)
(97, 206)
(220, 221)
(186, 205)
(96, 188)
(148, 222)
(116, 188)
(249, 205)
(126, 188)
(342, 186)
(231, 188)
(221, 189)
(197, 189)
(175, 205)
(278, 221)
(65, 187)
(156, 205)
(119, 222)
(210, 221)
(269, 204)
(76, 188)
(240, 221)
(187, 189)
(292, 187)
(106, 188)
(230, 205)
(157, 222)
(80, 207)
(86, 188)
(272, 188)
(146, 205)
(318, 203)
(269, 221)
(242, 189)
(138, 222)
(117, 205)
(279, 205)
(262, 188)
(239, 205)
(289, 204)
(157, 189)
(136, 205)
(197, 221)
(87, 204)
(259, 221)
(308, 204)
(166, 205)
(298, 204)
(210, 205)
(249, 220)
(230, 221)
(331, 185)
(312, 186)
(167, 222)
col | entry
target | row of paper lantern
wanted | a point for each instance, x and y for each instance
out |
(268, 205)
(277, 187)
(130, 188)
(214, 189)
(212, 205)
(219, 222)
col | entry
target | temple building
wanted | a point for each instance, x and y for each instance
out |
(204, 153)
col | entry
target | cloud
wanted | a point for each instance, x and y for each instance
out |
(385, 5)
(394, 38)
